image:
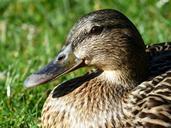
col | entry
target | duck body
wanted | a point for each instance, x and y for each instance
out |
(95, 105)
(130, 87)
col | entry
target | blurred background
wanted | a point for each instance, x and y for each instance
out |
(33, 31)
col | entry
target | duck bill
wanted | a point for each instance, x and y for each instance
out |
(53, 70)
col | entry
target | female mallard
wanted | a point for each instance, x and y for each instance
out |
(113, 95)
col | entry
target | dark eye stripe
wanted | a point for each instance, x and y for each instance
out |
(79, 39)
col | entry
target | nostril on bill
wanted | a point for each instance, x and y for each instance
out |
(61, 57)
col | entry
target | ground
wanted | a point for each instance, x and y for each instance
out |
(31, 34)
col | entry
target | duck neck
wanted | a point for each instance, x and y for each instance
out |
(107, 94)
(120, 79)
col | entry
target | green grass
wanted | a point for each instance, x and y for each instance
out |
(32, 32)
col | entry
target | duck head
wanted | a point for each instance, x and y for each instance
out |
(105, 39)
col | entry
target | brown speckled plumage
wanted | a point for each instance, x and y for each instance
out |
(131, 86)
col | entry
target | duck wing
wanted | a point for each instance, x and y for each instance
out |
(159, 58)
(151, 100)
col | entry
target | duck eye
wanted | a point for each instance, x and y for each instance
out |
(96, 30)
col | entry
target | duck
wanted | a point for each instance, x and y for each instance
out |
(130, 85)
